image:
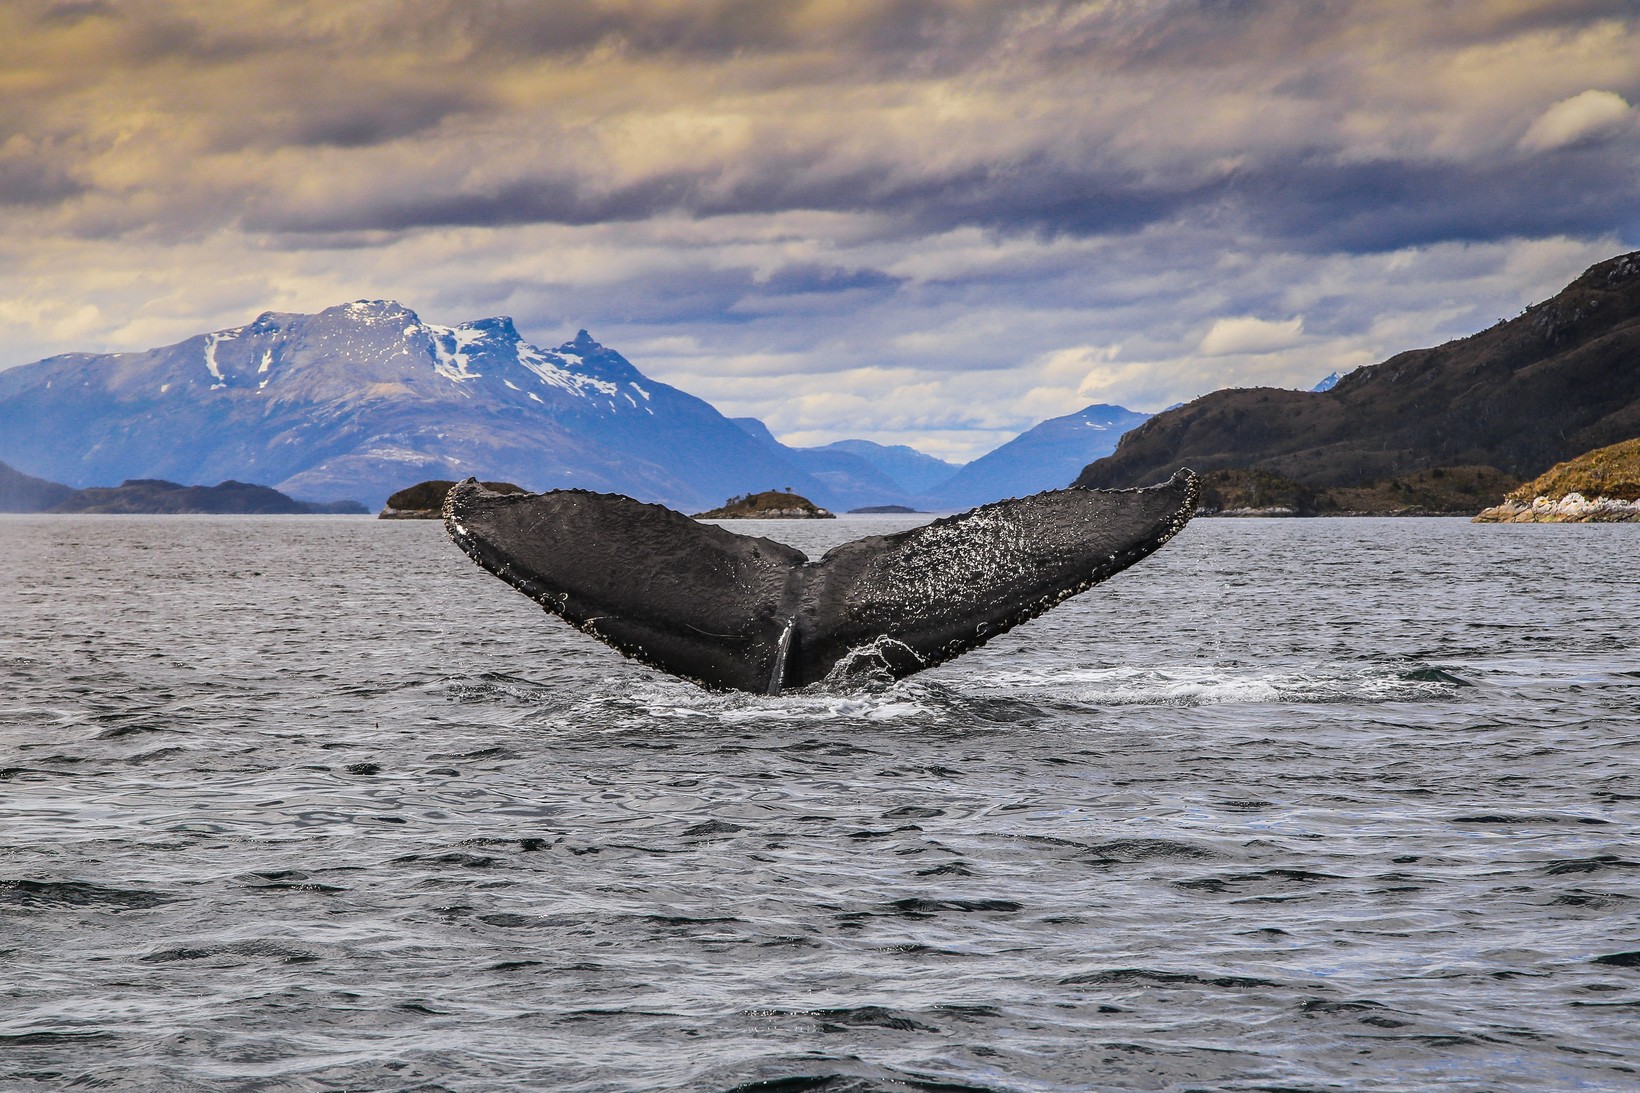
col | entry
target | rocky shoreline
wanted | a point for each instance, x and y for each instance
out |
(1573, 508)
(1598, 487)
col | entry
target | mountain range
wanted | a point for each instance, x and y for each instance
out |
(363, 399)
(1560, 379)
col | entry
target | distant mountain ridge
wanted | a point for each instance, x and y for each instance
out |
(845, 480)
(1561, 379)
(912, 470)
(363, 399)
(1046, 456)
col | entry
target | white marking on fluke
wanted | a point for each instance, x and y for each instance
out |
(778, 676)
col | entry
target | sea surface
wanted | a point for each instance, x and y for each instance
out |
(300, 803)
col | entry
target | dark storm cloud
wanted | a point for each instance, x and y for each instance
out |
(29, 178)
(662, 298)
(69, 12)
(726, 296)
(535, 201)
(1032, 195)
(376, 115)
(1314, 204)
(1045, 118)
(807, 278)
(1383, 206)
(916, 35)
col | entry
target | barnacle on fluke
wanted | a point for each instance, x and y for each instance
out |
(736, 612)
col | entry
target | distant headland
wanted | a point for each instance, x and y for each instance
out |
(1598, 487)
(158, 497)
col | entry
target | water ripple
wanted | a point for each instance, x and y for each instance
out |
(1306, 805)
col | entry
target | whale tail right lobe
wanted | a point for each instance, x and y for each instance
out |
(920, 597)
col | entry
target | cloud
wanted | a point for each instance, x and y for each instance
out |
(1589, 114)
(890, 218)
(1246, 334)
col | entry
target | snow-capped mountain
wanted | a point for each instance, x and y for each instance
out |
(365, 398)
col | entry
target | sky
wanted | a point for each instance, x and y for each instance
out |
(933, 222)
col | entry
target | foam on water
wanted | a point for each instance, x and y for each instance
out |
(1197, 685)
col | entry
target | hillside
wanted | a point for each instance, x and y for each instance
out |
(1612, 471)
(1561, 379)
(365, 398)
(1439, 491)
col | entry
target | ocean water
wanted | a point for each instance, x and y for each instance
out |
(314, 804)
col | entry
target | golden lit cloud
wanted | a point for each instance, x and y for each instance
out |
(1248, 335)
(883, 201)
(1570, 120)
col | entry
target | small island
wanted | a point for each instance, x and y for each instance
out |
(425, 500)
(1598, 487)
(768, 505)
(884, 510)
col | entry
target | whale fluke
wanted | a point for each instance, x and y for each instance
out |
(751, 614)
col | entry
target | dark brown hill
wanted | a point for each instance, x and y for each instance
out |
(1521, 396)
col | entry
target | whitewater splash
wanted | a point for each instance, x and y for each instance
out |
(623, 707)
(1194, 685)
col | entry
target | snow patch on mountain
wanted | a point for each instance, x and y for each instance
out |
(450, 344)
(556, 370)
(211, 366)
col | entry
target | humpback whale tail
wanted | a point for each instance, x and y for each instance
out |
(735, 612)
